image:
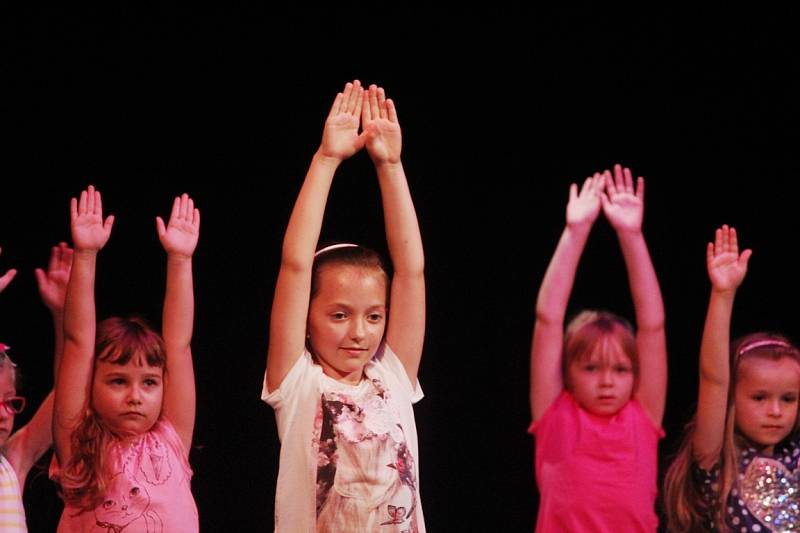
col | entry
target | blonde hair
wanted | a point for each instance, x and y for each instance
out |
(585, 333)
(684, 506)
(6, 364)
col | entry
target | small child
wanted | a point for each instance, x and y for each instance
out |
(20, 451)
(736, 470)
(125, 398)
(598, 390)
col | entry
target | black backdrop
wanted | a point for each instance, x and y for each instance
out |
(501, 110)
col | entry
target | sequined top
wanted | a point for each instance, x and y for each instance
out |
(765, 497)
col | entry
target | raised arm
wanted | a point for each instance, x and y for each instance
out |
(624, 209)
(551, 304)
(287, 331)
(29, 443)
(179, 239)
(74, 380)
(6, 278)
(406, 329)
(52, 285)
(726, 270)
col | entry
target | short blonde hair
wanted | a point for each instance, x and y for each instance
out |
(585, 333)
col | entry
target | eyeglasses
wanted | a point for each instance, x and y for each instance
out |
(15, 404)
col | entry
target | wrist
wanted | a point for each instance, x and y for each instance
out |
(726, 293)
(85, 253)
(178, 258)
(321, 158)
(388, 169)
(628, 233)
(579, 229)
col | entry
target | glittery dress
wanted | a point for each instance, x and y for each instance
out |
(765, 496)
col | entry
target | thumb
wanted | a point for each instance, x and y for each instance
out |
(160, 228)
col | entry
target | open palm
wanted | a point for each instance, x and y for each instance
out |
(180, 235)
(726, 267)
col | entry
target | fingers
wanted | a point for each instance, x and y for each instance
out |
(718, 241)
(745, 258)
(626, 172)
(6, 278)
(337, 104)
(733, 242)
(374, 110)
(183, 211)
(65, 256)
(354, 100)
(55, 258)
(727, 241)
(41, 278)
(391, 110)
(611, 184)
(573, 192)
(587, 184)
(382, 102)
(366, 109)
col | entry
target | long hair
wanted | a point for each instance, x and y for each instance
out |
(587, 330)
(684, 506)
(85, 477)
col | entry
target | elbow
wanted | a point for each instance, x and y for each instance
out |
(652, 325)
(547, 317)
(712, 377)
(292, 261)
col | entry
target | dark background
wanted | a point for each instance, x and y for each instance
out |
(501, 109)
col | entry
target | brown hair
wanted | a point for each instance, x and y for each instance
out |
(683, 502)
(119, 341)
(347, 255)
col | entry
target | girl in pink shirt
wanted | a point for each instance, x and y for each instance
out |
(125, 398)
(598, 390)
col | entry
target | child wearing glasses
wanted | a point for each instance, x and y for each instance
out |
(21, 449)
(125, 398)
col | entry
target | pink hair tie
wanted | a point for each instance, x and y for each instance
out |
(762, 343)
(335, 246)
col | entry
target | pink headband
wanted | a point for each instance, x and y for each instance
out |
(334, 247)
(766, 342)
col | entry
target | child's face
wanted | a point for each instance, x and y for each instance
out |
(603, 382)
(766, 399)
(7, 390)
(346, 320)
(128, 397)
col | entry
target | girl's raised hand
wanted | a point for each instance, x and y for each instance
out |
(340, 138)
(381, 127)
(53, 282)
(6, 278)
(623, 204)
(89, 230)
(584, 205)
(726, 266)
(180, 235)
